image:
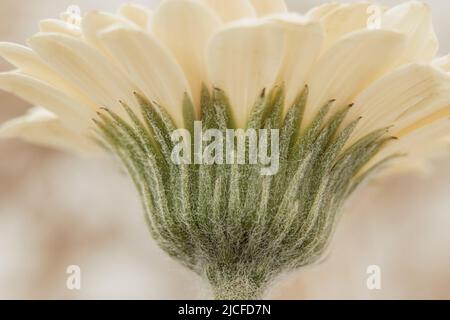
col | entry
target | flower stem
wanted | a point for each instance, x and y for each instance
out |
(239, 289)
(236, 284)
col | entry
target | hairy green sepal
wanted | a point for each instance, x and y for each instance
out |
(231, 225)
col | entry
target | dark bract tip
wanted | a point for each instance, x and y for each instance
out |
(263, 93)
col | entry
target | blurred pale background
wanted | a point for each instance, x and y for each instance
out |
(58, 210)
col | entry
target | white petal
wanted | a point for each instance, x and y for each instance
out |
(343, 20)
(151, 66)
(86, 69)
(437, 109)
(41, 127)
(351, 65)
(136, 13)
(59, 26)
(431, 134)
(30, 63)
(94, 22)
(443, 63)
(269, 7)
(36, 92)
(319, 12)
(185, 27)
(401, 98)
(243, 60)
(230, 10)
(413, 19)
(303, 42)
(23, 58)
(402, 166)
(422, 143)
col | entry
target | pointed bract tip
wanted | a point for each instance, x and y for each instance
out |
(155, 103)
(263, 93)
(138, 95)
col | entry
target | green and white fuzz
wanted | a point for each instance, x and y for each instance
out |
(236, 228)
(229, 223)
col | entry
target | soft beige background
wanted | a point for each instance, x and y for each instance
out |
(57, 210)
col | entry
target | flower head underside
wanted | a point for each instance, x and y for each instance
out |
(351, 89)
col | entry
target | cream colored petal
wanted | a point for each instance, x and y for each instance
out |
(319, 12)
(415, 102)
(86, 69)
(230, 10)
(351, 65)
(185, 27)
(30, 63)
(443, 63)
(303, 43)
(59, 26)
(94, 22)
(343, 20)
(410, 165)
(41, 127)
(269, 7)
(140, 15)
(37, 92)
(438, 109)
(408, 93)
(243, 60)
(151, 66)
(425, 142)
(433, 109)
(426, 137)
(413, 19)
(23, 58)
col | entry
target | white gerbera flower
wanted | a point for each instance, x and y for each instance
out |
(239, 64)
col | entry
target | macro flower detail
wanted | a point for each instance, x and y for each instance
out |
(352, 95)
